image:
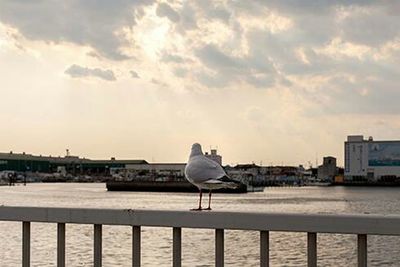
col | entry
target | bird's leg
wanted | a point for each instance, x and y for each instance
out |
(209, 201)
(199, 208)
(201, 194)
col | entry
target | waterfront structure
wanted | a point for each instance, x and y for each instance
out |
(157, 171)
(370, 160)
(328, 170)
(74, 168)
(22, 162)
(252, 174)
(151, 171)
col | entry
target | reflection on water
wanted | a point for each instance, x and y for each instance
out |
(241, 247)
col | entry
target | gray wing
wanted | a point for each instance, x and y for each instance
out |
(200, 169)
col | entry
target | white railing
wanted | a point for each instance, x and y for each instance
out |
(361, 225)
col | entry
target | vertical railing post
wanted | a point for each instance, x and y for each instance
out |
(97, 245)
(61, 245)
(176, 247)
(264, 248)
(136, 246)
(312, 249)
(219, 247)
(26, 244)
(362, 250)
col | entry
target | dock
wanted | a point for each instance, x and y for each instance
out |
(164, 186)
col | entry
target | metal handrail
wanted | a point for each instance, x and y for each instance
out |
(361, 225)
(293, 222)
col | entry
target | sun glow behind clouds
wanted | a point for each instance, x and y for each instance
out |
(152, 33)
(5, 41)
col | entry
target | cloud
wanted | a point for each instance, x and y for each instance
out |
(180, 72)
(91, 23)
(307, 7)
(76, 71)
(165, 10)
(241, 44)
(213, 57)
(158, 82)
(214, 10)
(253, 68)
(335, 61)
(212, 80)
(371, 26)
(172, 58)
(134, 74)
(188, 16)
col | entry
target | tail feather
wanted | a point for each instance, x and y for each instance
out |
(225, 181)
(230, 183)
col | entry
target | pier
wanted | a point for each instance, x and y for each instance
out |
(309, 224)
(165, 186)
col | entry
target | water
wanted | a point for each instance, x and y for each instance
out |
(241, 247)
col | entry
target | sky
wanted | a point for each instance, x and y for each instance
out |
(270, 82)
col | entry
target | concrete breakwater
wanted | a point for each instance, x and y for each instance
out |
(161, 186)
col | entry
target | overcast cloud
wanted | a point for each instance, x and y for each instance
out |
(76, 71)
(94, 23)
(317, 59)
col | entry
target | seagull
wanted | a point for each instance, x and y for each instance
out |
(207, 174)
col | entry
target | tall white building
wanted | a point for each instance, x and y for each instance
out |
(366, 159)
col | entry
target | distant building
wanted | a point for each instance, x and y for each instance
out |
(22, 162)
(369, 160)
(214, 156)
(152, 171)
(328, 169)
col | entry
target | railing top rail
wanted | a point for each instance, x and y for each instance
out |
(293, 222)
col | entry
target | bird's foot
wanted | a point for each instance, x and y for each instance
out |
(198, 209)
(208, 208)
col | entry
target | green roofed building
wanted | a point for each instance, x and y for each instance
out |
(22, 162)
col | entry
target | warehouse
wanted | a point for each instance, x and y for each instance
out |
(22, 162)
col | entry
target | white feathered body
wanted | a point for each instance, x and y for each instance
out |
(206, 173)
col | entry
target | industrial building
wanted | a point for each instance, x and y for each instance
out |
(77, 167)
(158, 171)
(150, 171)
(369, 160)
(22, 162)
